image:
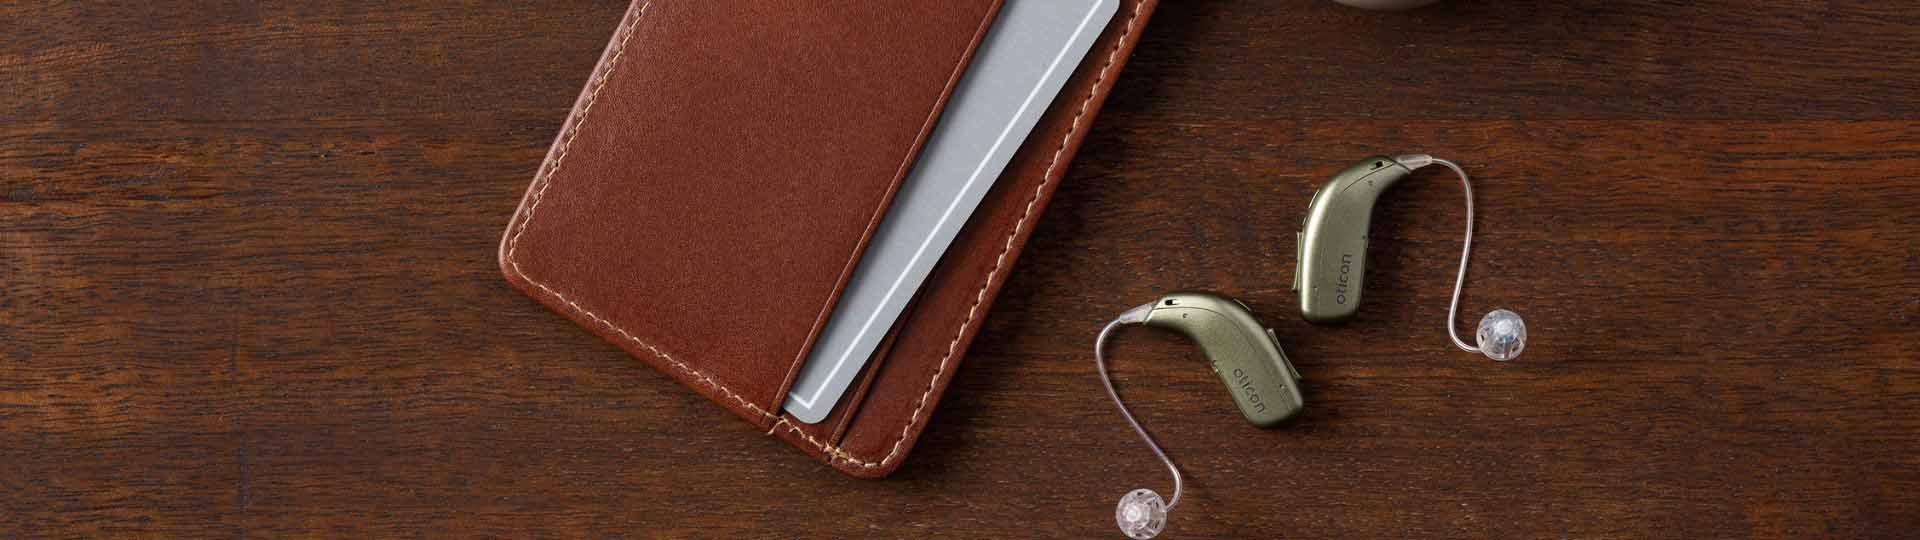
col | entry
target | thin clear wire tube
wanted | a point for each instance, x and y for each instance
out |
(1502, 334)
(1100, 360)
(1466, 250)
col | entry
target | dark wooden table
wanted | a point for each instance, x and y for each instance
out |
(247, 286)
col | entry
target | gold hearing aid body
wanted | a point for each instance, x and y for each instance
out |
(1332, 242)
(1332, 250)
(1243, 353)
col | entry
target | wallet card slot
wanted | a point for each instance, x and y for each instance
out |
(933, 336)
(712, 190)
(847, 408)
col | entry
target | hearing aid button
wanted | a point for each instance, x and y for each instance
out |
(1283, 355)
(1299, 249)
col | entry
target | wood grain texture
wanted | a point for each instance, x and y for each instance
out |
(247, 286)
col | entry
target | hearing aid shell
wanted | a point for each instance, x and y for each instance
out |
(1332, 243)
(1243, 353)
(1332, 252)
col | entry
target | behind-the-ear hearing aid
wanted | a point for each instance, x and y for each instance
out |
(1332, 249)
(1243, 353)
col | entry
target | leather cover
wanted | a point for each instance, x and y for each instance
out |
(709, 195)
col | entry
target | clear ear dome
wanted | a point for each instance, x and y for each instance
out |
(1141, 514)
(1502, 335)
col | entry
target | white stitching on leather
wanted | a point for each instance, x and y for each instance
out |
(546, 180)
(1045, 180)
(833, 452)
(630, 23)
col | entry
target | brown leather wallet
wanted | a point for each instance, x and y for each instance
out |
(713, 188)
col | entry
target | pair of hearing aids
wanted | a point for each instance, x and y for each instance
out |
(1331, 248)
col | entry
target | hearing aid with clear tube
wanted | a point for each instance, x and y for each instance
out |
(1332, 252)
(1245, 355)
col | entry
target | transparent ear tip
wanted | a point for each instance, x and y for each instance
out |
(1141, 514)
(1502, 335)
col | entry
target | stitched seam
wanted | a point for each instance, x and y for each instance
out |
(833, 452)
(546, 181)
(999, 262)
(573, 132)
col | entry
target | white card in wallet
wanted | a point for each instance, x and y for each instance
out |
(1026, 57)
